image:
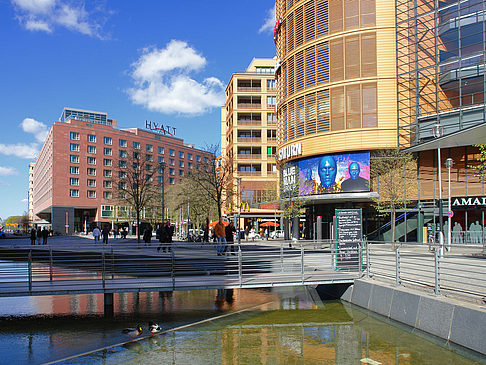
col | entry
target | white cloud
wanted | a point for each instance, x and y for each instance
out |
(20, 150)
(7, 171)
(163, 84)
(269, 23)
(38, 129)
(25, 200)
(45, 15)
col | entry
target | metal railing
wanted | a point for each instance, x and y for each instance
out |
(121, 266)
(461, 271)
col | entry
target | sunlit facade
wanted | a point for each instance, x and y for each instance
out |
(336, 91)
(249, 142)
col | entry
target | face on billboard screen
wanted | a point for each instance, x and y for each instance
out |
(326, 174)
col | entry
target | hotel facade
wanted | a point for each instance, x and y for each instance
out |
(73, 179)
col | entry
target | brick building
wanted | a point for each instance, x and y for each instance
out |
(74, 176)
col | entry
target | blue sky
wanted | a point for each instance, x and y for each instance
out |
(149, 59)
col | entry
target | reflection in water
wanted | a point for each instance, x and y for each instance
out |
(334, 334)
(278, 326)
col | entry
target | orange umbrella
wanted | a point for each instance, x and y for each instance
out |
(212, 224)
(269, 224)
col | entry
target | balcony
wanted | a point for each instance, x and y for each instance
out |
(249, 139)
(254, 89)
(249, 106)
(249, 173)
(249, 156)
(250, 122)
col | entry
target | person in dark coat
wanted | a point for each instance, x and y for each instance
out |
(206, 231)
(147, 235)
(45, 234)
(39, 235)
(229, 230)
(33, 236)
(166, 233)
(105, 233)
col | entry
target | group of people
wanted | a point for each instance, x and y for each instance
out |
(164, 234)
(38, 235)
(105, 233)
(224, 238)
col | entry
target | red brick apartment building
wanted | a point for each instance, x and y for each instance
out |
(74, 175)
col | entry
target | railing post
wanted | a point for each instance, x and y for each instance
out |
(302, 262)
(50, 264)
(172, 267)
(397, 267)
(240, 266)
(30, 271)
(281, 258)
(103, 268)
(367, 259)
(360, 258)
(112, 264)
(437, 272)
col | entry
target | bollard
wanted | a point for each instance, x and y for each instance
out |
(437, 272)
(397, 267)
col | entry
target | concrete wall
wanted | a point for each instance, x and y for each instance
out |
(59, 220)
(459, 322)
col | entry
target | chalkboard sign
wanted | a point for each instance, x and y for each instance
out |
(348, 238)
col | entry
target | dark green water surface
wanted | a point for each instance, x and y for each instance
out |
(279, 326)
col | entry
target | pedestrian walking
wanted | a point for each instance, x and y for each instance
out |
(45, 234)
(96, 234)
(115, 233)
(33, 236)
(206, 231)
(39, 235)
(147, 235)
(165, 237)
(220, 234)
(105, 233)
(247, 233)
(229, 231)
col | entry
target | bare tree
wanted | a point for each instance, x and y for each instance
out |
(394, 178)
(136, 182)
(213, 179)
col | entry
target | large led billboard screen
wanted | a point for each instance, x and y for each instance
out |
(340, 173)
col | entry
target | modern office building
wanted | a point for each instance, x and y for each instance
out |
(74, 176)
(441, 105)
(249, 141)
(336, 97)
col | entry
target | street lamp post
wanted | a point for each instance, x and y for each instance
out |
(448, 163)
(437, 134)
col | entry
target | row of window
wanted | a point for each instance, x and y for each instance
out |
(74, 170)
(74, 193)
(75, 147)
